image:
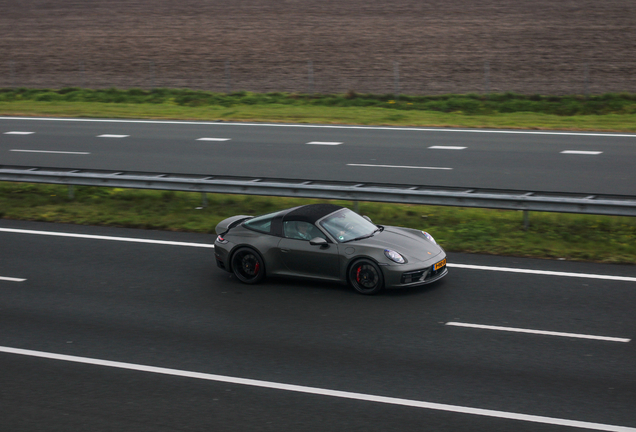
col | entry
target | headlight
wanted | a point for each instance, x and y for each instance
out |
(429, 237)
(394, 256)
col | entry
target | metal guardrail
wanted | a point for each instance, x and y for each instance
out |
(615, 205)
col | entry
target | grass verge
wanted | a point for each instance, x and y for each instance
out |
(610, 112)
(551, 235)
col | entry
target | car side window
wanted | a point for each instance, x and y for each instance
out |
(301, 230)
(262, 223)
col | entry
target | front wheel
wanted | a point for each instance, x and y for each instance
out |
(248, 266)
(366, 277)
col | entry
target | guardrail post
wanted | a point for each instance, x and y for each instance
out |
(356, 207)
(526, 220)
(204, 199)
(71, 192)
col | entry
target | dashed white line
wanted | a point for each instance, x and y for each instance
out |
(542, 272)
(523, 132)
(18, 133)
(112, 136)
(581, 152)
(213, 139)
(49, 151)
(10, 279)
(399, 166)
(320, 391)
(328, 143)
(447, 147)
(539, 332)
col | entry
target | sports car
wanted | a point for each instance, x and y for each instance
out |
(328, 242)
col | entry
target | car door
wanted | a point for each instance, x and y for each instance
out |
(304, 259)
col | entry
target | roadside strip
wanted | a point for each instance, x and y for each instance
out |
(211, 246)
(321, 391)
(528, 132)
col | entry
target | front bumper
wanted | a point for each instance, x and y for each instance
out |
(397, 276)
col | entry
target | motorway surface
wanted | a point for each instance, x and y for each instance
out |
(589, 163)
(166, 305)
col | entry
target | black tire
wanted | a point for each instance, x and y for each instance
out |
(366, 277)
(248, 265)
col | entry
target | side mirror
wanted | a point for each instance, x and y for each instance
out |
(318, 241)
(367, 218)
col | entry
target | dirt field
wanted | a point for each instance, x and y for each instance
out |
(538, 46)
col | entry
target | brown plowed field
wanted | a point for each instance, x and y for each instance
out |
(538, 46)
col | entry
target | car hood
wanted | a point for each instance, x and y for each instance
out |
(409, 243)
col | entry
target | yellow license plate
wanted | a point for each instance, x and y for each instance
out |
(440, 264)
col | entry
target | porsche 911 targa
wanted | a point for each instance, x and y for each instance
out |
(329, 242)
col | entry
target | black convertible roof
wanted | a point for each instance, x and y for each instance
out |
(311, 213)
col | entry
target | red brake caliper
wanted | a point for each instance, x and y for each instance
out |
(358, 273)
(256, 268)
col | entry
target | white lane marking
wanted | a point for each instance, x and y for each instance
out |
(211, 246)
(540, 332)
(112, 136)
(98, 237)
(543, 272)
(399, 166)
(213, 139)
(329, 143)
(447, 147)
(49, 151)
(18, 133)
(9, 279)
(320, 391)
(523, 132)
(581, 152)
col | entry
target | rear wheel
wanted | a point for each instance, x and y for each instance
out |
(366, 277)
(248, 266)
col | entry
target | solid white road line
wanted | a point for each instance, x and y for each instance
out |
(542, 272)
(398, 166)
(18, 133)
(522, 132)
(447, 147)
(581, 152)
(49, 151)
(540, 332)
(320, 391)
(97, 237)
(329, 143)
(112, 136)
(213, 139)
(11, 279)
(211, 246)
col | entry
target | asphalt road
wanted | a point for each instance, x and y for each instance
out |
(166, 305)
(526, 160)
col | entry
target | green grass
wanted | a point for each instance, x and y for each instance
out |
(609, 112)
(551, 235)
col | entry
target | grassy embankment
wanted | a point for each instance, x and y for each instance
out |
(610, 112)
(576, 237)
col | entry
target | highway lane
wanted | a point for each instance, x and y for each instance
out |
(529, 160)
(168, 306)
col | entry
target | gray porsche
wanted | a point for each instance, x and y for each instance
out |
(328, 242)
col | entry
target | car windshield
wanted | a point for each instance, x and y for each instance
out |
(345, 225)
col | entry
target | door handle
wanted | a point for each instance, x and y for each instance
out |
(284, 250)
